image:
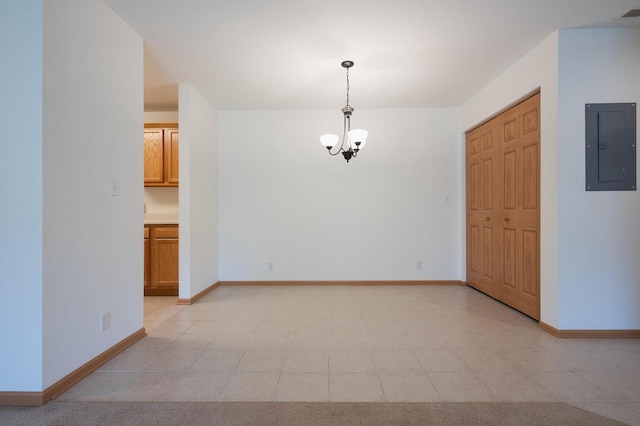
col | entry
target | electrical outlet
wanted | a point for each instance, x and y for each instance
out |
(419, 265)
(270, 267)
(105, 320)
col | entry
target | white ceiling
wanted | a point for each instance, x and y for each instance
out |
(286, 54)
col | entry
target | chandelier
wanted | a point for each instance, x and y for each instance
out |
(352, 140)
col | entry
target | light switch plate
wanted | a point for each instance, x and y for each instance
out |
(114, 187)
(105, 320)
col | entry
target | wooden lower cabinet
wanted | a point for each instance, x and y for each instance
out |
(163, 260)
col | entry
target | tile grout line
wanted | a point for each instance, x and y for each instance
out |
(229, 378)
(284, 359)
(428, 377)
(328, 374)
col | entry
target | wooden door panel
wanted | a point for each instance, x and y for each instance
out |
(474, 240)
(474, 179)
(487, 184)
(530, 119)
(509, 128)
(487, 252)
(488, 142)
(509, 184)
(474, 145)
(520, 287)
(530, 166)
(509, 257)
(530, 262)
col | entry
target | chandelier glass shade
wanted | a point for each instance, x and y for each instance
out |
(352, 140)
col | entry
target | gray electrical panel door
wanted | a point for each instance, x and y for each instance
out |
(611, 147)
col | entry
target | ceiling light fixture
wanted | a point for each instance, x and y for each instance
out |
(352, 140)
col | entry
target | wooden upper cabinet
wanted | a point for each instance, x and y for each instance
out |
(172, 145)
(153, 156)
(161, 150)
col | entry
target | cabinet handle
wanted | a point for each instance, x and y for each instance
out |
(506, 219)
(487, 218)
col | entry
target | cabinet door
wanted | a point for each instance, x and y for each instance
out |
(172, 145)
(165, 257)
(153, 156)
(146, 257)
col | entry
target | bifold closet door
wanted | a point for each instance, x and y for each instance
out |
(503, 207)
(483, 211)
(519, 136)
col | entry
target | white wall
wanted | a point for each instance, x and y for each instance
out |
(93, 257)
(198, 192)
(161, 116)
(284, 200)
(161, 201)
(21, 195)
(538, 68)
(599, 232)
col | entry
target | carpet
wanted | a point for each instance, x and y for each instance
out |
(299, 413)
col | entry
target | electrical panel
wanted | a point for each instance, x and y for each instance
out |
(610, 147)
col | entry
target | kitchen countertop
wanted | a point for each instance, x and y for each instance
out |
(160, 219)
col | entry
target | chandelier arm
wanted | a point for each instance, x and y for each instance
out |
(344, 132)
(341, 149)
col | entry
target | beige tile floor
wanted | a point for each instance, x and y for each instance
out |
(361, 343)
